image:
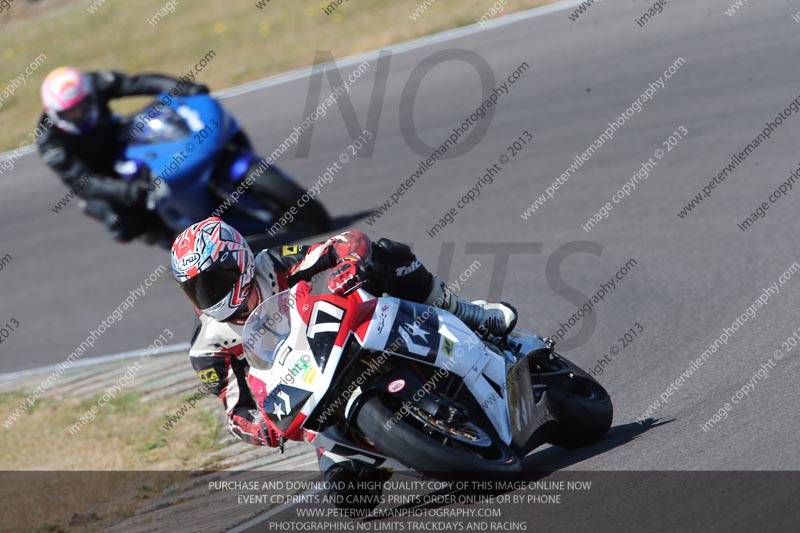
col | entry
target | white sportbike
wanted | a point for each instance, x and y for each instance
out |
(399, 385)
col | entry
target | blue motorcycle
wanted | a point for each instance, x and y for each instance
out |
(200, 163)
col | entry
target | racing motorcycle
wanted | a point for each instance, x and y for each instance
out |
(401, 385)
(196, 157)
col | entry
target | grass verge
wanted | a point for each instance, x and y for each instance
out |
(249, 42)
(72, 470)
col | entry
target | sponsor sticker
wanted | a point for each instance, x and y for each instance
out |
(447, 347)
(408, 269)
(382, 318)
(188, 261)
(396, 385)
(309, 375)
(208, 376)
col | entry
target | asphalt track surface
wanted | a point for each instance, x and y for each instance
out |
(693, 276)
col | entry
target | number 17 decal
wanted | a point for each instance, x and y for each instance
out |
(325, 318)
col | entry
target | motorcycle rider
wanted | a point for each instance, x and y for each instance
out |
(80, 142)
(216, 269)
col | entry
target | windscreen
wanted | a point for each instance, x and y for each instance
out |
(266, 329)
(154, 127)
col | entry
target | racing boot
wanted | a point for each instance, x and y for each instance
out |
(498, 319)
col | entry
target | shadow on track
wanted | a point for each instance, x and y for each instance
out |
(554, 458)
(537, 465)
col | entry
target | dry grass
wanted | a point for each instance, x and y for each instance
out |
(126, 437)
(249, 42)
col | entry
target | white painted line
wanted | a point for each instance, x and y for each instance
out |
(402, 47)
(92, 361)
(398, 48)
(20, 152)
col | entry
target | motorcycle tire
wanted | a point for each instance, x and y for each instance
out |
(582, 407)
(279, 193)
(427, 454)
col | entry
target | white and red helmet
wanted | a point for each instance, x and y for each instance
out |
(68, 99)
(215, 268)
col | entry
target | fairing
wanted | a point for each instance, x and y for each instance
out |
(304, 361)
(181, 142)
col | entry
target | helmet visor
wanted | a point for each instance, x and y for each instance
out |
(79, 115)
(211, 286)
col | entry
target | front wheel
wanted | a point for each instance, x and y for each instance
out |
(435, 446)
(581, 405)
(279, 194)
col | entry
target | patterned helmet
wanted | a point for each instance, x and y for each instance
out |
(215, 268)
(68, 99)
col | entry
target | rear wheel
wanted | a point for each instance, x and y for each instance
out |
(278, 193)
(581, 405)
(435, 445)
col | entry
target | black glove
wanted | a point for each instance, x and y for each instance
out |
(197, 89)
(136, 194)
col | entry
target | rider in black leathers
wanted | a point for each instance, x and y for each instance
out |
(80, 142)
